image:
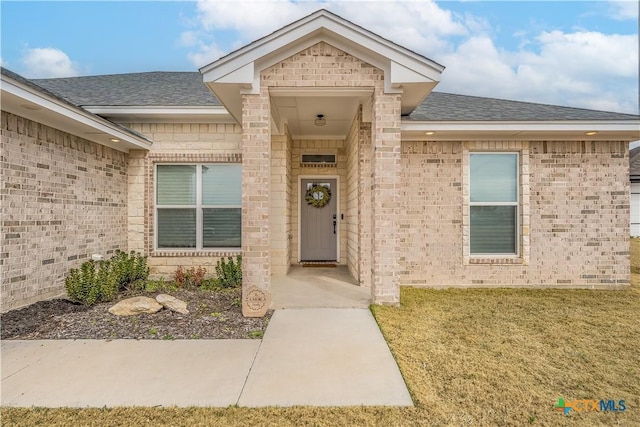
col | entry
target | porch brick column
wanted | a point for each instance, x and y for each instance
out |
(385, 206)
(256, 167)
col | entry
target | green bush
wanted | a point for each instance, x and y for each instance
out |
(102, 281)
(229, 274)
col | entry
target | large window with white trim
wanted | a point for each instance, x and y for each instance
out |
(198, 206)
(493, 203)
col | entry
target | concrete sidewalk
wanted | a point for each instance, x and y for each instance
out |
(316, 357)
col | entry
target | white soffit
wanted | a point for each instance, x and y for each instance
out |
(28, 102)
(606, 130)
(239, 72)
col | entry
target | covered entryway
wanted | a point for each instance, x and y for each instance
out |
(324, 86)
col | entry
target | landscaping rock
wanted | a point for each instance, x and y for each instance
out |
(172, 303)
(135, 305)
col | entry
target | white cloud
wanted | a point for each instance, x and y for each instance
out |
(580, 68)
(623, 10)
(204, 54)
(48, 62)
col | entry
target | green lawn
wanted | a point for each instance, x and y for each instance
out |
(470, 357)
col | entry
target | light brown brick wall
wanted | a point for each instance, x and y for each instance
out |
(280, 201)
(174, 143)
(578, 216)
(353, 194)
(63, 199)
(214, 138)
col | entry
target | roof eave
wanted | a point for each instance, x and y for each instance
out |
(239, 72)
(27, 101)
(574, 130)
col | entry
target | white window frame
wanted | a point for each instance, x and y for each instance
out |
(517, 204)
(199, 207)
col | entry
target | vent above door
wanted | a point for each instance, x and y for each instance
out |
(327, 159)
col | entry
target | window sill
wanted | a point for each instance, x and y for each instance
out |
(495, 261)
(223, 252)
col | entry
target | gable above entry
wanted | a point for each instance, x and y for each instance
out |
(238, 73)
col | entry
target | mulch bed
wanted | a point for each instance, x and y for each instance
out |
(212, 315)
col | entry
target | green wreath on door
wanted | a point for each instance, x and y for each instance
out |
(318, 196)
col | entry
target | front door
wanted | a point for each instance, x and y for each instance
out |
(318, 220)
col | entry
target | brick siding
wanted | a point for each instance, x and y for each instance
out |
(63, 198)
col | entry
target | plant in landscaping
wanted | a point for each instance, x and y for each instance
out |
(256, 333)
(180, 277)
(210, 284)
(229, 273)
(189, 278)
(102, 280)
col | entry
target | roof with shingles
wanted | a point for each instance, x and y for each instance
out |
(439, 106)
(43, 90)
(187, 89)
(134, 89)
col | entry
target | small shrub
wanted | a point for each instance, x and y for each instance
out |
(102, 281)
(192, 277)
(180, 277)
(229, 273)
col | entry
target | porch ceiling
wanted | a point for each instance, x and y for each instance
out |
(299, 113)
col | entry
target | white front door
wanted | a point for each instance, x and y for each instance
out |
(318, 220)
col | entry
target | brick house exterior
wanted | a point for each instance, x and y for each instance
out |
(407, 171)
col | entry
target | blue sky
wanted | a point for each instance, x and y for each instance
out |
(583, 54)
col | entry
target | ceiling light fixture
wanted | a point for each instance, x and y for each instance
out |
(114, 140)
(320, 120)
(429, 133)
(592, 133)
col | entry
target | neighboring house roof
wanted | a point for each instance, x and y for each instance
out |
(439, 106)
(28, 99)
(634, 164)
(134, 89)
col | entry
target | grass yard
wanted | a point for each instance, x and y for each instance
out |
(470, 357)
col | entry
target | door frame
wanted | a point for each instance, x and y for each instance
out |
(338, 220)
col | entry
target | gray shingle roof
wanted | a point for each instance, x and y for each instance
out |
(44, 91)
(139, 89)
(439, 106)
(187, 89)
(634, 164)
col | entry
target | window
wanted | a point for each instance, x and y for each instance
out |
(493, 203)
(198, 206)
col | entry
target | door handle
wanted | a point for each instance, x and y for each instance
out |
(334, 226)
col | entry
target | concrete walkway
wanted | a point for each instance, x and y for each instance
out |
(317, 357)
(318, 287)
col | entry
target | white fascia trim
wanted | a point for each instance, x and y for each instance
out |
(531, 126)
(322, 23)
(33, 96)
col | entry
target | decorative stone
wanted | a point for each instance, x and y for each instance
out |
(255, 302)
(172, 303)
(135, 305)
